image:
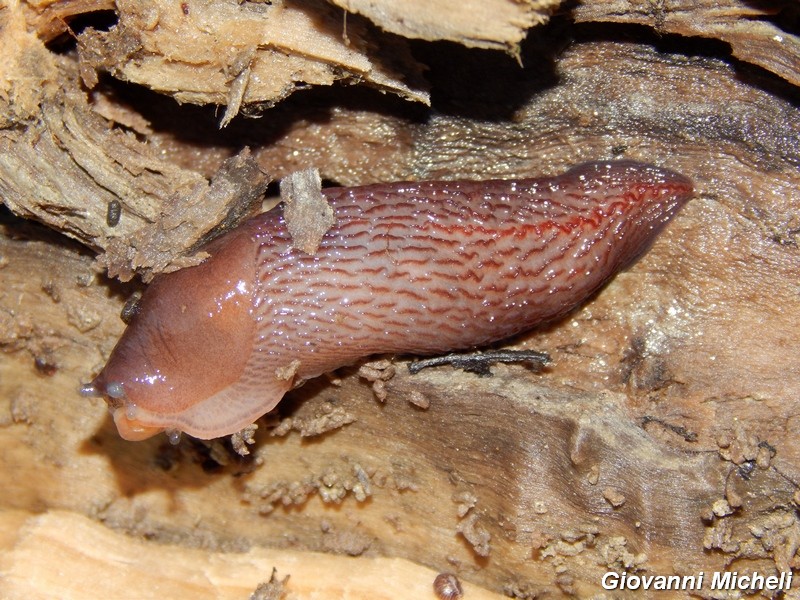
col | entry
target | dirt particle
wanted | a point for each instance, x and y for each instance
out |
(288, 372)
(616, 555)
(378, 373)
(241, 439)
(465, 501)
(328, 418)
(594, 475)
(477, 535)
(733, 498)
(350, 541)
(764, 455)
(419, 400)
(274, 589)
(614, 497)
(721, 508)
(52, 289)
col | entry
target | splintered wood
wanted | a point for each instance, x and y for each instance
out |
(308, 214)
(497, 24)
(759, 34)
(247, 53)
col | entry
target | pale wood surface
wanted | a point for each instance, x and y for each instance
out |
(498, 24)
(233, 54)
(90, 560)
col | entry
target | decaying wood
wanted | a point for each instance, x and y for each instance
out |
(50, 18)
(83, 548)
(233, 194)
(661, 440)
(308, 214)
(79, 166)
(758, 33)
(244, 53)
(27, 73)
(497, 24)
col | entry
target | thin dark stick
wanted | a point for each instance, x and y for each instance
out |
(480, 361)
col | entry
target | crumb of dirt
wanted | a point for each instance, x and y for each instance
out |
(477, 536)
(378, 372)
(614, 497)
(274, 589)
(241, 439)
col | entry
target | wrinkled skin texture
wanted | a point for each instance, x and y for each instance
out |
(419, 268)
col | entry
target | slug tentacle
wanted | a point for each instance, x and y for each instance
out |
(418, 268)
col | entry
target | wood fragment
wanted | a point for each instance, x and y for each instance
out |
(495, 24)
(274, 589)
(236, 54)
(188, 222)
(753, 31)
(178, 572)
(308, 214)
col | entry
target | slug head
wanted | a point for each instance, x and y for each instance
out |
(190, 338)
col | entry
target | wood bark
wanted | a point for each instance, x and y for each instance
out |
(662, 440)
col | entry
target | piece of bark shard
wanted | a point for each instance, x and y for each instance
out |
(753, 31)
(246, 54)
(242, 68)
(494, 24)
(308, 214)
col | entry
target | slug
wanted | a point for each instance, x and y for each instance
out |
(412, 268)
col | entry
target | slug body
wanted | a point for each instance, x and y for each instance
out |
(419, 268)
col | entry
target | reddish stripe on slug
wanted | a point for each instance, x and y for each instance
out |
(419, 268)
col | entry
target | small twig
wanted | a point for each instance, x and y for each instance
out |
(479, 362)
